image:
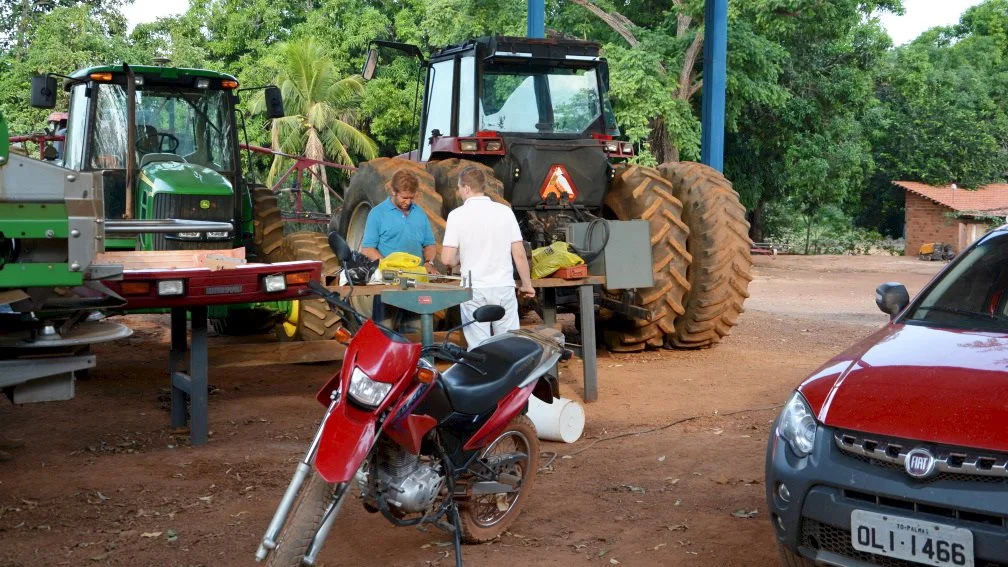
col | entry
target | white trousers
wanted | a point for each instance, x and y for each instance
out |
(476, 333)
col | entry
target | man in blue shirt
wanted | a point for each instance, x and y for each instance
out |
(397, 224)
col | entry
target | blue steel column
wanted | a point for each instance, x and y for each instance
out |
(536, 18)
(714, 77)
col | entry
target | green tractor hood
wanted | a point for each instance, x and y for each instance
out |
(183, 179)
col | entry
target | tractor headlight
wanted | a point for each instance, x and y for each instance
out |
(274, 283)
(189, 235)
(798, 426)
(170, 287)
(611, 146)
(469, 145)
(202, 83)
(218, 234)
(494, 146)
(627, 147)
(366, 391)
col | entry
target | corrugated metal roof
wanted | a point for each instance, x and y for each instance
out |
(991, 198)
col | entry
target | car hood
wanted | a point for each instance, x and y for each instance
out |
(920, 383)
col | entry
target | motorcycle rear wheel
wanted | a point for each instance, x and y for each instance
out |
(484, 518)
(301, 525)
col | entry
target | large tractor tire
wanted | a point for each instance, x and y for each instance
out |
(719, 244)
(642, 193)
(446, 172)
(267, 223)
(310, 319)
(371, 185)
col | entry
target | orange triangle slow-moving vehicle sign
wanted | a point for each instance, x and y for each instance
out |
(558, 183)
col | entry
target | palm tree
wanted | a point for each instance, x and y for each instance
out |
(321, 112)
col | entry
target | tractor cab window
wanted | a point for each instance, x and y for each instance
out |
(553, 100)
(73, 147)
(439, 102)
(172, 124)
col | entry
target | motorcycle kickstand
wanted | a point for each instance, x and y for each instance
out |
(457, 540)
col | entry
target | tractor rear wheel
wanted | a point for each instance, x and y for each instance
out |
(267, 223)
(642, 193)
(719, 243)
(369, 186)
(310, 319)
(446, 172)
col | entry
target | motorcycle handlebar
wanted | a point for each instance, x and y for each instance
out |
(335, 300)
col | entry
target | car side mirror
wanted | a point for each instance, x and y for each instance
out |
(370, 64)
(340, 247)
(892, 298)
(488, 313)
(274, 102)
(43, 91)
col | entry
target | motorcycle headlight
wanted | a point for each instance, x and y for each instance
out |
(366, 391)
(798, 426)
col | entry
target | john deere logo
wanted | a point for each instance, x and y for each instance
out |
(204, 204)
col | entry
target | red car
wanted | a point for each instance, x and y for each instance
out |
(895, 452)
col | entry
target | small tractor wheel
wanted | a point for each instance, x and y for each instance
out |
(310, 319)
(642, 193)
(719, 243)
(267, 223)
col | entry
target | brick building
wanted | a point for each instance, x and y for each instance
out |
(949, 214)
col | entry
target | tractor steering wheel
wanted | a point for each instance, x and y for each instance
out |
(173, 142)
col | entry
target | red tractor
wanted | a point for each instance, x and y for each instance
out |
(535, 113)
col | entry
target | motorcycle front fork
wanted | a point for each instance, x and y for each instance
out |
(302, 471)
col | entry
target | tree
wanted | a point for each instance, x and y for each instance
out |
(321, 112)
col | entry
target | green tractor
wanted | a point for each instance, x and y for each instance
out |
(165, 142)
(535, 115)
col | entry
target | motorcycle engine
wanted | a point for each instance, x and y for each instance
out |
(407, 483)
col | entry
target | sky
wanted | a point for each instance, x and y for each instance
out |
(922, 15)
(143, 11)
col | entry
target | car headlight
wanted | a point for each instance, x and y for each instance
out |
(366, 391)
(798, 426)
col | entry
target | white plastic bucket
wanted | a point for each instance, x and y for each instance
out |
(563, 420)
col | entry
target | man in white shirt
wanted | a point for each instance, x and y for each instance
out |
(483, 237)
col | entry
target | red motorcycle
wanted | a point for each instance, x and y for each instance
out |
(452, 449)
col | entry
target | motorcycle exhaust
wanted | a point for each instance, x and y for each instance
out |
(304, 467)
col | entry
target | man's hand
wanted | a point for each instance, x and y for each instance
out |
(431, 269)
(526, 290)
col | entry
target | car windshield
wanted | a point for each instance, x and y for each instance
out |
(193, 124)
(972, 294)
(554, 100)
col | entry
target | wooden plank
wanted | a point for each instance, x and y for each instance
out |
(559, 282)
(262, 354)
(172, 259)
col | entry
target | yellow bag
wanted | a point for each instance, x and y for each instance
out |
(404, 262)
(549, 259)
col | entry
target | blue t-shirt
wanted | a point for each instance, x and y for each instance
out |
(389, 230)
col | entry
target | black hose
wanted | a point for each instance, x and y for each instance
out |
(587, 254)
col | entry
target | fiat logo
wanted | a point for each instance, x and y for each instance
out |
(920, 463)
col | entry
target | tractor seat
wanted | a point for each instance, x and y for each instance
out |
(508, 362)
(156, 157)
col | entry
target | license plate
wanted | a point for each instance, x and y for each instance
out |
(926, 543)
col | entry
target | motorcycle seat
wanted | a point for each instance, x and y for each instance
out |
(508, 362)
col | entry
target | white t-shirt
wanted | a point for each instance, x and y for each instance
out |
(483, 232)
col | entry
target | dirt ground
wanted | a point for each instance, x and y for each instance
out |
(103, 481)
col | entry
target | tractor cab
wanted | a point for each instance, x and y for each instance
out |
(165, 141)
(535, 110)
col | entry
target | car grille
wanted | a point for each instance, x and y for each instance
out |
(952, 463)
(187, 207)
(819, 536)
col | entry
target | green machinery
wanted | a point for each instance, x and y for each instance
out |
(164, 140)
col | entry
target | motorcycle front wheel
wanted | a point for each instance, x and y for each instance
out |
(301, 525)
(485, 517)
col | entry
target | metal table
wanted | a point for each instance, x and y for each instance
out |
(586, 300)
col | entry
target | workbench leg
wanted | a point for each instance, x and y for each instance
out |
(176, 356)
(587, 300)
(549, 307)
(198, 369)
